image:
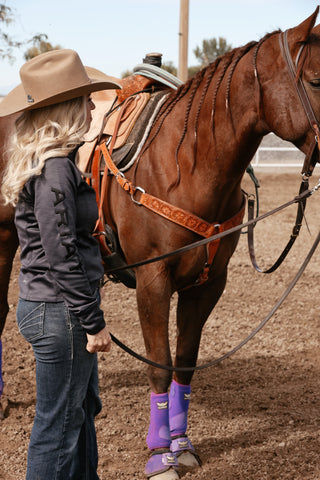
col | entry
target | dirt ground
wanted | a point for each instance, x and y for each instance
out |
(253, 417)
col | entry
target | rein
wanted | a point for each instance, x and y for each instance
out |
(240, 345)
(300, 198)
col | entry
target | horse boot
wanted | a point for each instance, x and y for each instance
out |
(181, 446)
(162, 464)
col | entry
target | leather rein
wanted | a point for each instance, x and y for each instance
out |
(309, 162)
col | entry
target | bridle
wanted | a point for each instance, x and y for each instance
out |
(302, 94)
(310, 158)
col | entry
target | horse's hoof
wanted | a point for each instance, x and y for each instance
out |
(189, 459)
(162, 465)
(168, 475)
(182, 447)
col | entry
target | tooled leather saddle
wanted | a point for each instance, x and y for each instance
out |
(122, 119)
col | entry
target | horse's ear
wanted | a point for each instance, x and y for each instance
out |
(316, 30)
(302, 32)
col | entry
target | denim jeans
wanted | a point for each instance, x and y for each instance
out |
(63, 442)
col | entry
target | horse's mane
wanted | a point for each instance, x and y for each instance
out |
(228, 61)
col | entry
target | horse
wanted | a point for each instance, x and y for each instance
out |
(200, 144)
(8, 234)
(193, 160)
(8, 240)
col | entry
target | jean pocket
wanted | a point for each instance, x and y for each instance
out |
(30, 319)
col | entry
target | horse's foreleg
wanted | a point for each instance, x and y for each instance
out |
(153, 297)
(194, 307)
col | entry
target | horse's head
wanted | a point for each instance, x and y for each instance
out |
(289, 63)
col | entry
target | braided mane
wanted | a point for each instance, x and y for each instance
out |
(228, 61)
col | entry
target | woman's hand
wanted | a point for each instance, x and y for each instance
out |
(100, 342)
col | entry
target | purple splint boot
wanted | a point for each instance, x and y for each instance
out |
(161, 461)
(179, 399)
(159, 433)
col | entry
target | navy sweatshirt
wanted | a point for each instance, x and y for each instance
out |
(60, 259)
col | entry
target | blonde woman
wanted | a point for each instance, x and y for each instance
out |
(58, 310)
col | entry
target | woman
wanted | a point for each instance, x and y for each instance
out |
(58, 310)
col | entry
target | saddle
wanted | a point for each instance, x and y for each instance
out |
(121, 119)
(117, 111)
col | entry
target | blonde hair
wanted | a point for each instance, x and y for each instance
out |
(42, 133)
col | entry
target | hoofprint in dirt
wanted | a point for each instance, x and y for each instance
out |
(256, 415)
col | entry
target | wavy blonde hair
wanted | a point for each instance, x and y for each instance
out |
(42, 133)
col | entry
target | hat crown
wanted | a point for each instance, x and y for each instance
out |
(51, 73)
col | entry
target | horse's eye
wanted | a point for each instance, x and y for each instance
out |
(315, 83)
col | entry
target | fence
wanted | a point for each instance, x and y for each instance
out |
(275, 153)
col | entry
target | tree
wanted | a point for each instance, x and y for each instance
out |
(211, 50)
(6, 42)
(40, 44)
(168, 66)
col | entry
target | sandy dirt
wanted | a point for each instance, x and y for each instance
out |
(253, 417)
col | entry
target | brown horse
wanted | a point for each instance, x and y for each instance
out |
(202, 140)
(200, 144)
(8, 234)
(8, 240)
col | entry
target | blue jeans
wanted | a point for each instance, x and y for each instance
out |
(63, 442)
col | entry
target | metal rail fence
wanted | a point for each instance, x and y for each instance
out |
(275, 153)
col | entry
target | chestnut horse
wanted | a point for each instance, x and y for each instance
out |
(201, 142)
(8, 240)
(199, 147)
(8, 235)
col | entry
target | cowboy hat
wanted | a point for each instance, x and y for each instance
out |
(51, 78)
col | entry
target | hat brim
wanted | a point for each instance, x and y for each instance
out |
(16, 100)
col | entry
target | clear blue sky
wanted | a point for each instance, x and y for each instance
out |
(115, 35)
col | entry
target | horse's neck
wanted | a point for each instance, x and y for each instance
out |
(226, 125)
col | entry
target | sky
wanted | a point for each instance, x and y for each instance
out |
(114, 36)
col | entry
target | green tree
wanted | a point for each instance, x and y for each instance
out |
(193, 70)
(170, 67)
(7, 44)
(40, 44)
(211, 49)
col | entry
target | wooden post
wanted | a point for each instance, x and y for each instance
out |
(183, 40)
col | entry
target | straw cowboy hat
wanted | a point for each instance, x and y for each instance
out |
(51, 78)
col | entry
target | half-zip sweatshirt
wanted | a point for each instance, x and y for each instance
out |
(60, 259)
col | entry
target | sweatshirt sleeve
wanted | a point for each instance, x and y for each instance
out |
(56, 210)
